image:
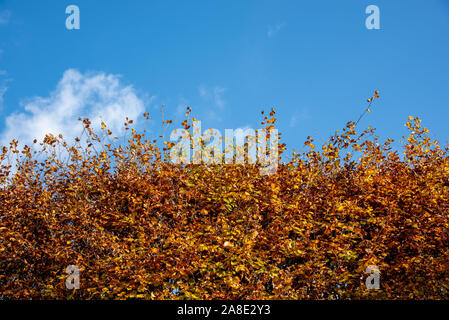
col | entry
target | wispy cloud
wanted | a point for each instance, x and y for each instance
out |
(2, 93)
(3, 86)
(181, 109)
(214, 95)
(215, 100)
(5, 16)
(218, 97)
(273, 30)
(302, 115)
(202, 91)
(293, 121)
(100, 97)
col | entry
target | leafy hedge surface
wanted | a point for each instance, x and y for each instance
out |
(141, 227)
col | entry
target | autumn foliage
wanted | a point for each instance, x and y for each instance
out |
(139, 226)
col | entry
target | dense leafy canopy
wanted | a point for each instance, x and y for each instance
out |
(139, 226)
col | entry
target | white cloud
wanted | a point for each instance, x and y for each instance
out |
(272, 30)
(214, 95)
(5, 16)
(2, 93)
(293, 121)
(99, 97)
(181, 108)
(3, 87)
(202, 91)
(218, 93)
(302, 115)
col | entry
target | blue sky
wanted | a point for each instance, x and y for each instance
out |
(314, 61)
